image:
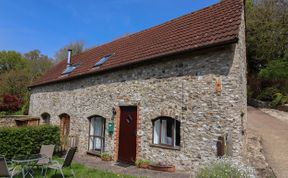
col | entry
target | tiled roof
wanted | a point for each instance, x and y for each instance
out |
(211, 26)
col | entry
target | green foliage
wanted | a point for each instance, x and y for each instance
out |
(266, 31)
(268, 93)
(81, 171)
(140, 162)
(279, 99)
(15, 82)
(106, 156)
(267, 45)
(18, 71)
(275, 70)
(225, 169)
(38, 63)
(27, 140)
(11, 60)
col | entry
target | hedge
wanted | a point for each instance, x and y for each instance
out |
(27, 140)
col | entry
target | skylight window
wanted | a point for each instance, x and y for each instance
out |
(69, 69)
(102, 60)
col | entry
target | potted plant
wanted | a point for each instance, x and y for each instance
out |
(166, 167)
(106, 156)
(142, 163)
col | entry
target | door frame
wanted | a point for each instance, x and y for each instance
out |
(118, 116)
(64, 141)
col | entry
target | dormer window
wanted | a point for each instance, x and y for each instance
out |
(70, 68)
(103, 60)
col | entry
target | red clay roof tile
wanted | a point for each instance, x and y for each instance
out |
(210, 26)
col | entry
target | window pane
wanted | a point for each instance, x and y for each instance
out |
(156, 131)
(166, 131)
(98, 124)
(169, 139)
(96, 131)
(178, 136)
(97, 143)
(90, 143)
(163, 131)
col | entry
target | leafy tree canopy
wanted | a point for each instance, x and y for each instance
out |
(77, 47)
(11, 60)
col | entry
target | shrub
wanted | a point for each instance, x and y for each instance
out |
(27, 140)
(275, 70)
(106, 156)
(10, 103)
(268, 93)
(226, 168)
(279, 99)
(141, 162)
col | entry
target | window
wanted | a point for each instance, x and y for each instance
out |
(166, 131)
(102, 60)
(46, 118)
(96, 134)
(70, 69)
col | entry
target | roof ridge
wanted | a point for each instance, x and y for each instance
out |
(154, 27)
(210, 26)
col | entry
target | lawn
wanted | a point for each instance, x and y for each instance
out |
(81, 171)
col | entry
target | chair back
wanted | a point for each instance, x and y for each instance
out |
(47, 150)
(69, 157)
(4, 172)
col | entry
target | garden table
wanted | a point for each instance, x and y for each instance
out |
(28, 162)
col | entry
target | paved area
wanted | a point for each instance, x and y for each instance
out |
(117, 168)
(274, 133)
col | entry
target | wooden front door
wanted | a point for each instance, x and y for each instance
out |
(64, 131)
(127, 135)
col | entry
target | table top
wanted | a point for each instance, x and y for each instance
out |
(28, 158)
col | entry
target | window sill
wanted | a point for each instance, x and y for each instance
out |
(94, 153)
(165, 147)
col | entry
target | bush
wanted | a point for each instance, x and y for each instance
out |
(279, 99)
(106, 156)
(27, 140)
(10, 103)
(226, 168)
(267, 94)
(275, 70)
(141, 162)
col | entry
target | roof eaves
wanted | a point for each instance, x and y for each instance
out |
(227, 42)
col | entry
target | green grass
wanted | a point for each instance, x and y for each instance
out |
(81, 171)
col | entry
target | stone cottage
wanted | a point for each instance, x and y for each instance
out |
(172, 93)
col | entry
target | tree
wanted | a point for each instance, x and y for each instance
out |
(77, 47)
(38, 63)
(17, 72)
(267, 32)
(11, 60)
(15, 82)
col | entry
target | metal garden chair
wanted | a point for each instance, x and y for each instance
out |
(66, 164)
(48, 151)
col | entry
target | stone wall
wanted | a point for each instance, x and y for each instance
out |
(7, 121)
(181, 87)
(13, 120)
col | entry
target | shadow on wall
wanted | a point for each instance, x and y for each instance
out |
(216, 61)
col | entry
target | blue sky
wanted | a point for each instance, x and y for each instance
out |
(49, 25)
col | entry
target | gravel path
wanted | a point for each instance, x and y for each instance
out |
(274, 133)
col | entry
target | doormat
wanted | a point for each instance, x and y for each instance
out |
(125, 165)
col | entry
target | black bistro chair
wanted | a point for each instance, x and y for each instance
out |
(66, 164)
